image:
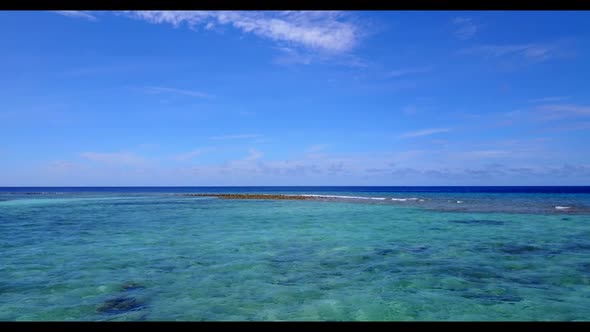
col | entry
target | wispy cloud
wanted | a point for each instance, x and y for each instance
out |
(482, 154)
(532, 51)
(549, 99)
(114, 158)
(76, 14)
(186, 156)
(61, 166)
(328, 31)
(572, 127)
(425, 132)
(299, 56)
(190, 93)
(239, 136)
(555, 111)
(291, 56)
(409, 71)
(410, 110)
(254, 155)
(505, 163)
(466, 29)
(317, 148)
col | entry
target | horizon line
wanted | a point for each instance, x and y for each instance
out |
(291, 186)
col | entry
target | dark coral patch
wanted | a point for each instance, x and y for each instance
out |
(519, 249)
(577, 246)
(478, 222)
(384, 252)
(493, 298)
(120, 305)
(129, 286)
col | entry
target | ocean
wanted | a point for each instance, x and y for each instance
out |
(354, 253)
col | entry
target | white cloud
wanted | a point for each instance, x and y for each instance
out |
(239, 136)
(76, 14)
(190, 93)
(466, 28)
(324, 30)
(425, 132)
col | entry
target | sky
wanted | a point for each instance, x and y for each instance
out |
(205, 98)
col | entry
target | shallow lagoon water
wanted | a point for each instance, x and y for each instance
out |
(157, 256)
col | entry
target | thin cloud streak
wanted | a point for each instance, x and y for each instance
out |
(532, 51)
(572, 127)
(549, 99)
(190, 93)
(426, 132)
(555, 111)
(409, 71)
(239, 136)
(114, 158)
(190, 154)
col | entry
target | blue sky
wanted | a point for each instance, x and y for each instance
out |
(294, 98)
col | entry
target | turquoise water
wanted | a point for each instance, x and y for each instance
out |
(157, 256)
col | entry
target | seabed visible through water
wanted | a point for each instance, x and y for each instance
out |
(163, 256)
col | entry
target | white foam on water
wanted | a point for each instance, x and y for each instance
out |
(407, 199)
(562, 207)
(459, 202)
(365, 197)
(345, 197)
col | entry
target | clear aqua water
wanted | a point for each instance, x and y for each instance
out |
(71, 254)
